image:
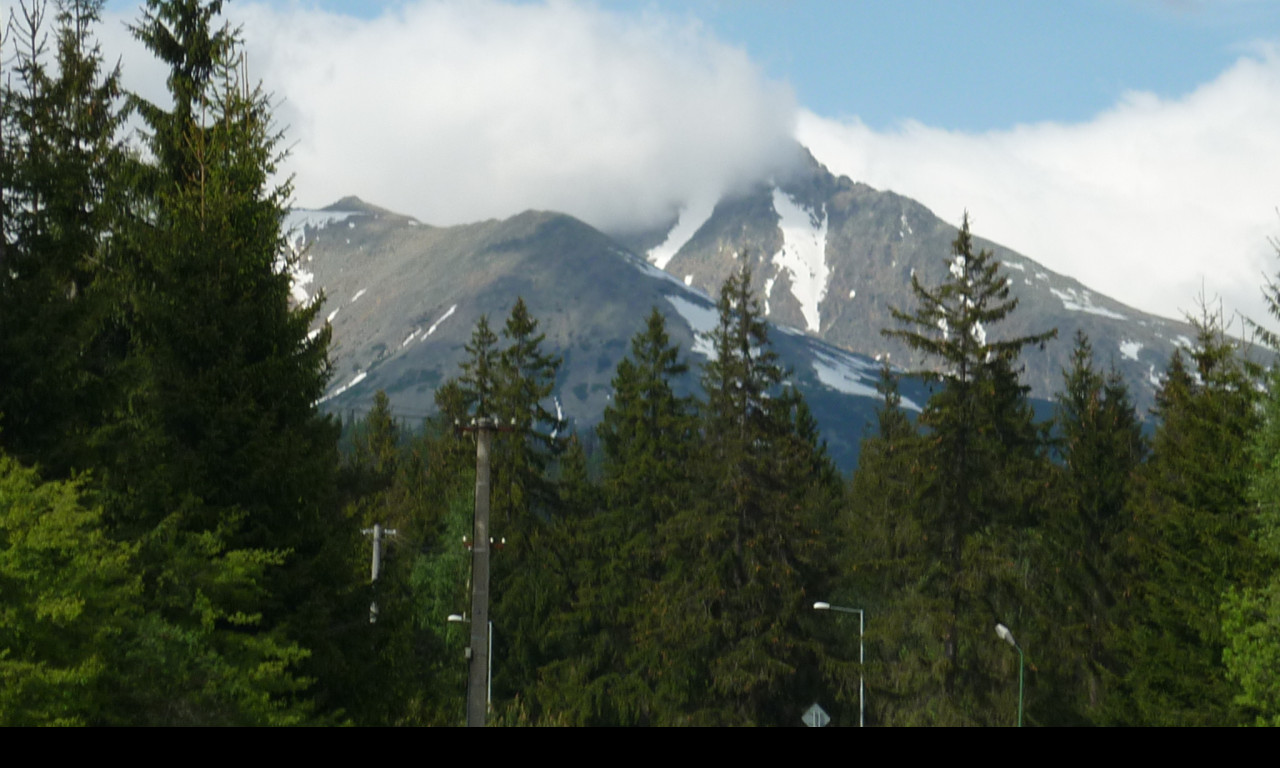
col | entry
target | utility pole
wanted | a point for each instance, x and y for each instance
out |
(378, 532)
(477, 679)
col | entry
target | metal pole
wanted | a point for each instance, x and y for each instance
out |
(1021, 666)
(478, 678)
(862, 626)
(862, 706)
(1004, 634)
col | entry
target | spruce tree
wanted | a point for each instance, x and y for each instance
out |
(1101, 446)
(731, 616)
(529, 580)
(1192, 540)
(647, 437)
(886, 555)
(479, 373)
(1251, 613)
(983, 470)
(221, 458)
(60, 173)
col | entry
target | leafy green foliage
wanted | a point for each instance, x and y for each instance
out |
(1251, 610)
(68, 594)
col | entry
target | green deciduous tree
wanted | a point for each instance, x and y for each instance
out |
(1251, 612)
(69, 594)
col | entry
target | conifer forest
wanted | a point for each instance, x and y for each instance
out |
(185, 538)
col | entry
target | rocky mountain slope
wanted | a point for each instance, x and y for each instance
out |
(831, 256)
(404, 297)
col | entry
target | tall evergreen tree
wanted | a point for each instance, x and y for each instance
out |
(1101, 446)
(887, 551)
(60, 169)
(528, 583)
(1251, 612)
(221, 455)
(743, 563)
(647, 436)
(1191, 540)
(984, 468)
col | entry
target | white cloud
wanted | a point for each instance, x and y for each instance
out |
(1142, 203)
(460, 111)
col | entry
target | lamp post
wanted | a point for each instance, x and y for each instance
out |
(1004, 634)
(862, 708)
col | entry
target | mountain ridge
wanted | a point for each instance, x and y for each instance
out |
(829, 255)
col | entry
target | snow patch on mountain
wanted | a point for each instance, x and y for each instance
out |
(850, 376)
(648, 268)
(803, 255)
(559, 417)
(1016, 265)
(299, 220)
(300, 278)
(1130, 349)
(702, 319)
(359, 293)
(692, 217)
(1082, 301)
(437, 323)
(359, 377)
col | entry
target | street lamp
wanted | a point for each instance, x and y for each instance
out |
(1004, 634)
(821, 606)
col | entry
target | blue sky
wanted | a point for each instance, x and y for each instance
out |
(1133, 144)
(965, 65)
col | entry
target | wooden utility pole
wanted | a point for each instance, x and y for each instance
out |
(378, 532)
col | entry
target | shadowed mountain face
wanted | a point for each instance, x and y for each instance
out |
(829, 258)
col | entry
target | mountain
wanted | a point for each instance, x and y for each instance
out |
(830, 256)
(404, 297)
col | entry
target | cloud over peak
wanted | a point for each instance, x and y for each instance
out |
(456, 112)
